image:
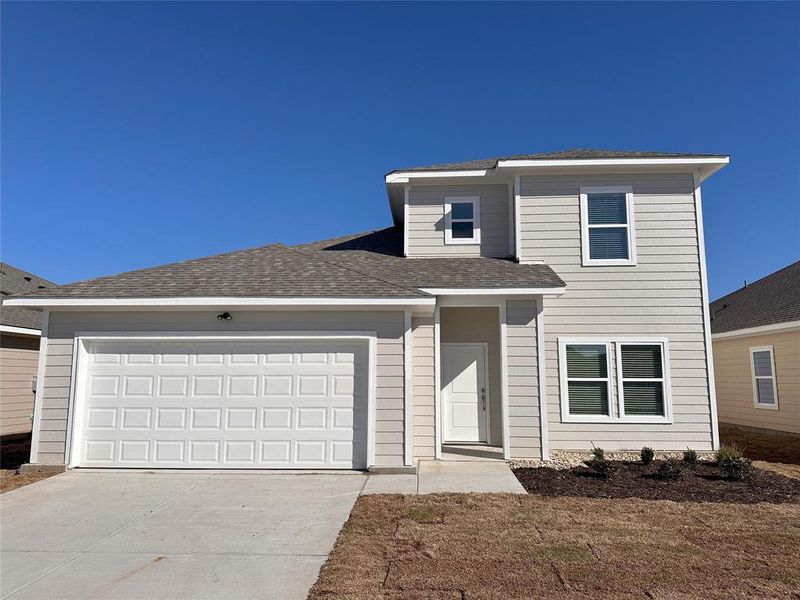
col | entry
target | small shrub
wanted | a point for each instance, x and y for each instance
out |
(598, 453)
(601, 466)
(670, 469)
(647, 455)
(727, 452)
(736, 468)
(690, 457)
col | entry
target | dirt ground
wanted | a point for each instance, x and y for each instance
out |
(757, 444)
(499, 546)
(11, 480)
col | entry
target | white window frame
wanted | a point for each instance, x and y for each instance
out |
(664, 380)
(475, 220)
(755, 377)
(616, 405)
(587, 260)
(566, 416)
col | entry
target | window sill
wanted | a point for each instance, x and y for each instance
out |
(609, 263)
(617, 420)
(461, 242)
(766, 406)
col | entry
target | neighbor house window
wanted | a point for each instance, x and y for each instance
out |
(639, 392)
(462, 220)
(641, 374)
(586, 388)
(762, 363)
(607, 229)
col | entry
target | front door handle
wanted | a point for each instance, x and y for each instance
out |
(483, 397)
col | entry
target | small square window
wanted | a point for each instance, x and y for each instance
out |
(462, 220)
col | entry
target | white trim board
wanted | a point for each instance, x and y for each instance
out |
(408, 389)
(503, 310)
(544, 437)
(81, 349)
(774, 328)
(541, 291)
(19, 330)
(218, 302)
(37, 399)
(701, 250)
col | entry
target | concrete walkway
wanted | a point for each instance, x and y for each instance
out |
(449, 476)
(191, 535)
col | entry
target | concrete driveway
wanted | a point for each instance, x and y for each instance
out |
(122, 535)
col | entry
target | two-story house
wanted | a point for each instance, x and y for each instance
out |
(528, 304)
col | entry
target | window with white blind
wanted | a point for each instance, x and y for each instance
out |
(607, 229)
(765, 390)
(462, 220)
(641, 380)
(586, 385)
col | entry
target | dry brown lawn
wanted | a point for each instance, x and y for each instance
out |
(11, 480)
(500, 546)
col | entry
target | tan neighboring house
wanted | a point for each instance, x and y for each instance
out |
(524, 305)
(20, 331)
(756, 334)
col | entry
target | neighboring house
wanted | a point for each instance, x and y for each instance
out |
(20, 329)
(534, 303)
(756, 333)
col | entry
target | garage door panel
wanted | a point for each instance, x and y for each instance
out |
(231, 404)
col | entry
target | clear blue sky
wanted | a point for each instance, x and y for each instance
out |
(140, 134)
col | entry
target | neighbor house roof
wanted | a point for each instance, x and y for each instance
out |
(367, 265)
(571, 154)
(16, 281)
(771, 300)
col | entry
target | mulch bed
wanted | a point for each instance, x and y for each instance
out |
(701, 483)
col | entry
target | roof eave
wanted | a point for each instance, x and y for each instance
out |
(704, 166)
(220, 302)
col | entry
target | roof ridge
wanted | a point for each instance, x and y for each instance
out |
(756, 282)
(339, 237)
(315, 256)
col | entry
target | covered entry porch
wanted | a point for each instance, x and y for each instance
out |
(478, 380)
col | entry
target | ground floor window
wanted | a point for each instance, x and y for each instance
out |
(762, 363)
(641, 380)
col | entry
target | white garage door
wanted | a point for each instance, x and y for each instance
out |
(212, 404)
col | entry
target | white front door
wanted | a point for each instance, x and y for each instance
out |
(464, 392)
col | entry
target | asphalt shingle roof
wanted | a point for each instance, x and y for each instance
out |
(16, 281)
(572, 154)
(357, 266)
(770, 300)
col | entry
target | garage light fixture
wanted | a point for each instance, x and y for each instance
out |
(226, 316)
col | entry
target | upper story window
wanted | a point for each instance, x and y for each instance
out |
(462, 220)
(607, 230)
(762, 363)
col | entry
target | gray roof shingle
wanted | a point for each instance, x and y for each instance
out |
(571, 154)
(770, 300)
(16, 281)
(356, 266)
(268, 271)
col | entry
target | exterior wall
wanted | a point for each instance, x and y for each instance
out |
(389, 326)
(733, 372)
(19, 360)
(424, 430)
(660, 297)
(523, 379)
(472, 325)
(426, 220)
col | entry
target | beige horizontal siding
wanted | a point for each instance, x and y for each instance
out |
(733, 373)
(19, 360)
(388, 325)
(426, 220)
(523, 379)
(423, 365)
(660, 297)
